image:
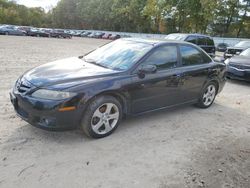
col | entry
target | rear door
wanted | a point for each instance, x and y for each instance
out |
(196, 66)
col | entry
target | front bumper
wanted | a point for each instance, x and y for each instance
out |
(45, 114)
(238, 74)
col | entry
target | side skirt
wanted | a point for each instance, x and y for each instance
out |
(163, 108)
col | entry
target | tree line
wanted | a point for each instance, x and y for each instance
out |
(227, 18)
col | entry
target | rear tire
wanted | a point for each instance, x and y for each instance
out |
(101, 117)
(208, 95)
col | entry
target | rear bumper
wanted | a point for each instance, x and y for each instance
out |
(238, 74)
(45, 114)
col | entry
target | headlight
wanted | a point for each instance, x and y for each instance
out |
(52, 95)
(227, 61)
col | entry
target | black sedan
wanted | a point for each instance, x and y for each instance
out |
(238, 67)
(124, 77)
(37, 33)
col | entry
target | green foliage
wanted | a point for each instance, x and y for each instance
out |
(214, 17)
(11, 13)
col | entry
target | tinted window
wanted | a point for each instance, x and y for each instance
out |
(210, 42)
(191, 39)
(202, 41)
(163, 57)
(192, 56)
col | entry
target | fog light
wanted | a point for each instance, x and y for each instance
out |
(48, 122)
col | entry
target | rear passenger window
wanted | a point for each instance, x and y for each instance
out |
(192, 56)
(210, 42)
(164, 57)
(202, 41)
(191, 39)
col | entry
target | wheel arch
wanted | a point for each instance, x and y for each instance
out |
(118, 95)
(215, 81)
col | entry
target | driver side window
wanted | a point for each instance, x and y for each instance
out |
(164, 57)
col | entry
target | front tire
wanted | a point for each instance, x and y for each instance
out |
(102, 117)
(208, 95)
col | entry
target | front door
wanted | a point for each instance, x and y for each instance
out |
(159, 89)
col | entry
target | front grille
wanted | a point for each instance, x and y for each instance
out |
(23, 86)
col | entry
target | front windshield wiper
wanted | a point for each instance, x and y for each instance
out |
(92, 61)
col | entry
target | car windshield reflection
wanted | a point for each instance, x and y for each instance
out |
(118, 55)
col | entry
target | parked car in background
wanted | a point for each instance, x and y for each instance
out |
(85, 34)
(114, 36)
(98, 35)
(124, 77)
(237, 49)
(34, 32)
(238, 67)
(70, 32)
(204, 41)
(125, 36)
(24, 28)
(11, 30)
(222, 47)
(76, 33)
(59, 33)
(106, 35)
(91, 35)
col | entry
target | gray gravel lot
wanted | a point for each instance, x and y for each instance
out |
(176, 148)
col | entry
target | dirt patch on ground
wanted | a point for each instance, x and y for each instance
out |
(176, 148)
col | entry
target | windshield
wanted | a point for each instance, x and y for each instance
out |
(246, 52)
(243, 44)
(118, 55)
(175, 37)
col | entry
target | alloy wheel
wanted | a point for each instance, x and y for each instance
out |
(209, 95)
(105, 118)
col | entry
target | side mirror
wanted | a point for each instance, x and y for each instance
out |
(237, 53)
(147, 69)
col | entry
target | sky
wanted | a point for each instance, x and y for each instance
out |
(46, 4)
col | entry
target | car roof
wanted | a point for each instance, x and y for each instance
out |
(155, 41)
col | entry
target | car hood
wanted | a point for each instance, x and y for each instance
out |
(243, 60)
(70, 70)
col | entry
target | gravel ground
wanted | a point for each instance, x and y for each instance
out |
(177, 148)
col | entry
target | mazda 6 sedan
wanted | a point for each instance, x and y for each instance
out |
(122, 78)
